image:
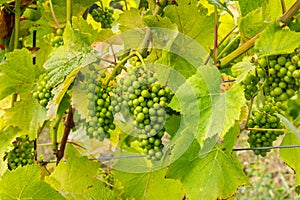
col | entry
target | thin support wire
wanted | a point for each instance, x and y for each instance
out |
(266, 148)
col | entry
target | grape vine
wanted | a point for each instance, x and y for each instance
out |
(126, 97)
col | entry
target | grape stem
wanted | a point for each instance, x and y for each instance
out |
(224, 62)
(283, 6)
(266, 148)
(69, 11)
(228, 46)
(53, 14)
(103, 181)
(118, 66)
(288, 15)
(221, 42)
(215, 33)
(267, 129)
(54, 130)
(17, 23)
(69, 124)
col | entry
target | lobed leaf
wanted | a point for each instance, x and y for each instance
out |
(25, 183)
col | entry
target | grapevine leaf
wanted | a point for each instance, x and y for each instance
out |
(193, 24)
(249, 5)
(226, 24)
(157, 21)
(59, 94)
(17, 74)
(64, 61)
(76, 179)
(94, 35)
(76, 52)
(252, 23)
(27, 114)
(219, 171)
(7, 136)
(218, 111)
(220, 5)
(76, 39)
(291, 156)
(145, 185)
(275, 40)
(289, 126)
(25, 183)
(4, 1)
(242, 68)
(126, 20)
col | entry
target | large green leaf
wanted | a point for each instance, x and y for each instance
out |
(291, 156)
(218, 111)
(25, 183)
(241, 69)
(76, 178)
(247, 6)
(152, 185)
(76, 52)
(27, 114)
(17, 74)
(252, 24)
(131, 20)
(59, 93)
(214, 176)
(275, 40)
(193, 24)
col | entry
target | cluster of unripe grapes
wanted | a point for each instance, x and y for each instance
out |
(277, 78)
(22, 154)
(147, 102)
(57, 38)
(104, 15)
(100, 116)
(43, 93)
(281, 74)
(264, 118)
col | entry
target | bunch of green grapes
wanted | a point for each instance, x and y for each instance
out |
(147, 102)
(251, 86)
(100, 117)
(43, 93)
(264, 118)
(104, 15)
(22, 154)
(57, 39)
(281, 74)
